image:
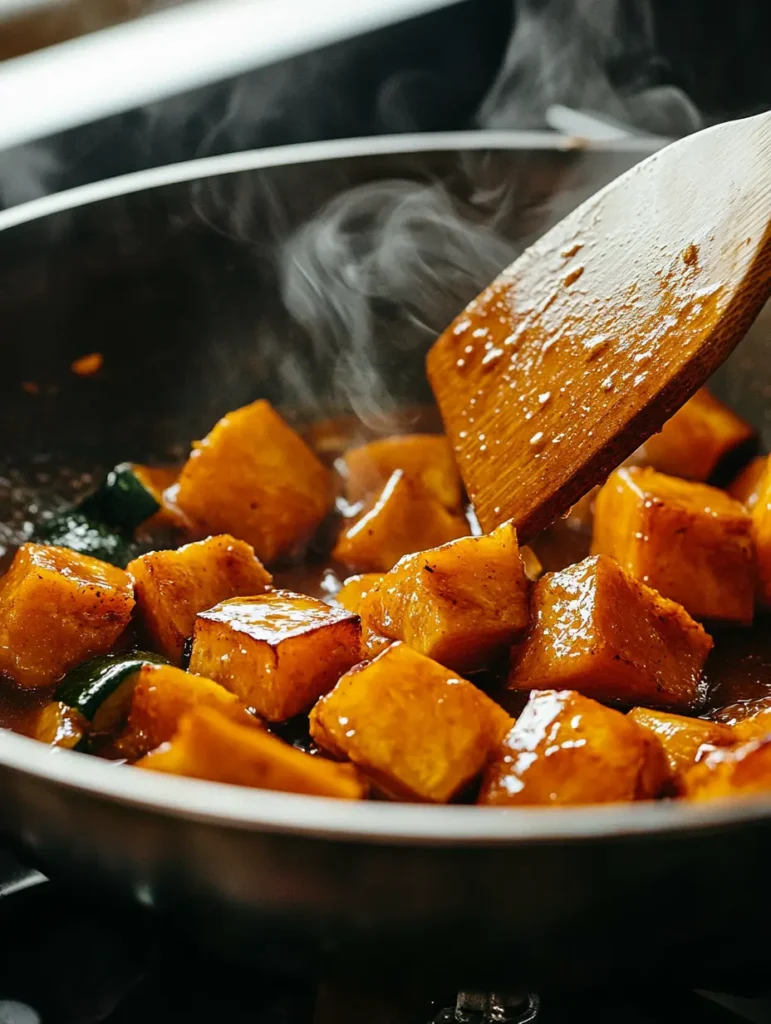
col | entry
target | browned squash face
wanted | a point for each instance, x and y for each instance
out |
(463, 604)
(568, 749)
(395, 680)
(416, 729)
(57, 609)
(171, 587)
(690, 542)
(597, 630)
(278, 652)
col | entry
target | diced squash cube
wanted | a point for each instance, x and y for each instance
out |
(209, 745)
(58, 608)
(598, 630)
(462, 604)
(427, 458)
(355, 589)
(746, 486)
(255, 478)
(681, 737)
(568, 749)
(277, 652)
(58, 725)
(161, 696)
(416, 729)
(691, 542)
(405, 518)
(761, 532)
(698, 436)
(171, 587)
(730, 772)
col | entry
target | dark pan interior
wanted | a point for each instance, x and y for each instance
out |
(180, 288)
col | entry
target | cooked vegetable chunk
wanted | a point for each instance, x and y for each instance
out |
(697, 437)
(746, 486)
(255, 478)
(404, 518)
(691, 542)
(682, 737)
(427, 458)
(161, 696)
(416, 729)
(101, 688)
(278, 652)
(597, 630)
(123, 499)
(761, 532)
(355, 589)
(209, 745)
(568, 749)
(734, 771)
(59, 725)
(171, 587)
(74, 530)
(57, 608)
(461, 604)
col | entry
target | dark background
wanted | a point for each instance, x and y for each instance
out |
(429, 74)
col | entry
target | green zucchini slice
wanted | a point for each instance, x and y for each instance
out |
(77, 531)
(122, 500)
(101, 689)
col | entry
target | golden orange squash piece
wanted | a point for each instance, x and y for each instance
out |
(161, 696)
(161, 482)
(462, 604)
(255, 478)
(568, 749)
(730, 772)
(597, 630)
(355, 589)
(416, 729)
(58, 725)
(691, 542)
(682, 737)
(746, 486)
(694, 440)
(171, 587)
(426, 458)
(761, 532)
(277, 652)
(210, 745)
(405, 518)
(57, 609)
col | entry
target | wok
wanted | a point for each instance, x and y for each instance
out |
(174, 275)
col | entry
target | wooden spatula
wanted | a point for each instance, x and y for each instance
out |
(589, 341)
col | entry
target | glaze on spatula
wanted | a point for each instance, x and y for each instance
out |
(590, 340)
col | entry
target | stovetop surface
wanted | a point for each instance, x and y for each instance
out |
(67, 959)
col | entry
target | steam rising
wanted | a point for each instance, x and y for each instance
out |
(566, 51)
(378, 259)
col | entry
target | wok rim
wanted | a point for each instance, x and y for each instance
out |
(318, 817)
(311, 152)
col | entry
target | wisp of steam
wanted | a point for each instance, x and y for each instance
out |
(564, 51)
(380, 253)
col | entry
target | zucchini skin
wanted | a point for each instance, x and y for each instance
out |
(77, 531)
(121, 500)
(88, 686)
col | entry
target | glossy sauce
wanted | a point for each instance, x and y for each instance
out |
(738, 670)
